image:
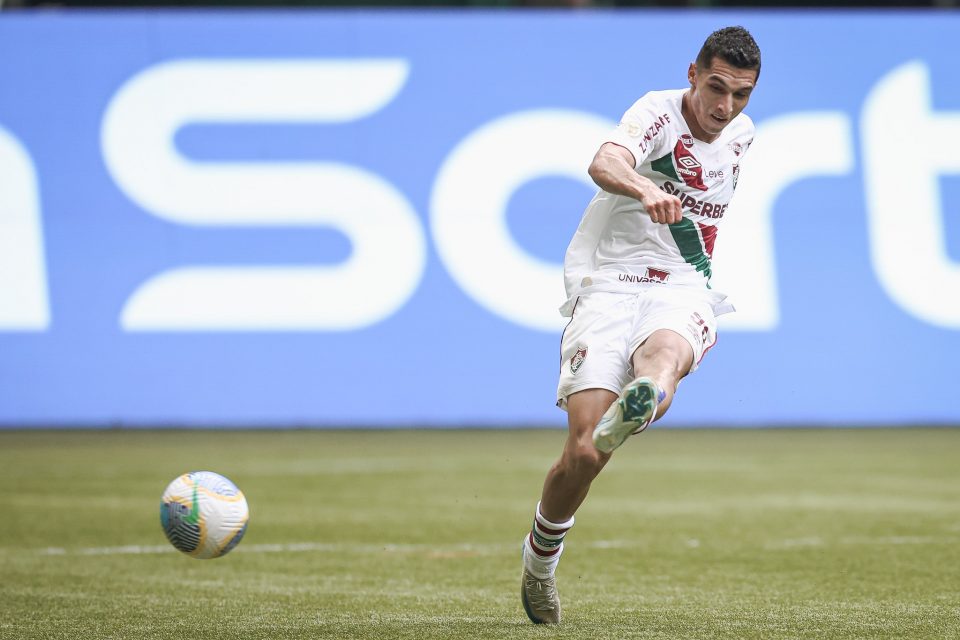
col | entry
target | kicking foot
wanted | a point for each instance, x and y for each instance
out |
(540, 598)
(631, 413)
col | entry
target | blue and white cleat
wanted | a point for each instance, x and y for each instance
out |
(631, 413)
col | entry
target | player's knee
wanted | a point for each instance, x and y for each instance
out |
(584, 460)
(673, 361)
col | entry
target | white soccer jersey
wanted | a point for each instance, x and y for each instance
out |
(617, 246)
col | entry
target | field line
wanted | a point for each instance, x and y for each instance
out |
(330, 547)
(817, 541)
(477, 549)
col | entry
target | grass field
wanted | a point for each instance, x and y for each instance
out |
(416, 534)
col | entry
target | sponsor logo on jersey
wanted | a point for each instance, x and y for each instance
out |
(688, 167)
(695, 205)
(655, 276)
(686, 139)
(736, 175)
(577, 360)
(636, 130)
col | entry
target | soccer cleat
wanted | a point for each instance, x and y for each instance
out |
(540, 598)
(633, 412)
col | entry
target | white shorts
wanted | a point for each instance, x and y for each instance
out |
(606, 328)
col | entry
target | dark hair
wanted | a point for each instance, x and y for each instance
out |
(734, 45)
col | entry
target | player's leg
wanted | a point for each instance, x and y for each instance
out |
(665, 357)
(568, 480)
(595, 364)
(677, 330)
(564, 490)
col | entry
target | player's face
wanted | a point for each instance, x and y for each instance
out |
(718, 94)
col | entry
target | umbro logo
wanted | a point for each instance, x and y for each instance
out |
(689, 168)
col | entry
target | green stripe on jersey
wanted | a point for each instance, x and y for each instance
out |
(664, 165)
(687, 236)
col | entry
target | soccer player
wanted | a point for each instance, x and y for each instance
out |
(637, 273)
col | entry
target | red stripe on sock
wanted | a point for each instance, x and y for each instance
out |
(539, 552)
(551, 532)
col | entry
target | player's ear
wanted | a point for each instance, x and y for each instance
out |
(692, 73)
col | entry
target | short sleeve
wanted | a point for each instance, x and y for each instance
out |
(639, 129)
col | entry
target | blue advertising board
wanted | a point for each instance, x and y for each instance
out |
(359, 218)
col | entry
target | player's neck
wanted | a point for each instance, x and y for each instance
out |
(695, 129)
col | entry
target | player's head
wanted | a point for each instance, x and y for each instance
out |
(722, 78)
(733, 45)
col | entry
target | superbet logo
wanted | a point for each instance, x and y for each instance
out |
(688, 167)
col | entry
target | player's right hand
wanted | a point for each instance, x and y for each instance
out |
(662, 207)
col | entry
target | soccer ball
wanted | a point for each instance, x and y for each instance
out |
(203, 514)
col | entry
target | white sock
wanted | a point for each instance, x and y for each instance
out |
(544, 545)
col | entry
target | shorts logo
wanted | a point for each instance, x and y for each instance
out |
(657, 275)
(577, 360)
(699, 328)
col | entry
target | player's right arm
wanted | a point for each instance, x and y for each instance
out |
(613, 171)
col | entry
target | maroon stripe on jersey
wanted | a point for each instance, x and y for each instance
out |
(709, 233)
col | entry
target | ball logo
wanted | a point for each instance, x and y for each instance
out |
(688, 167)
(203, 514)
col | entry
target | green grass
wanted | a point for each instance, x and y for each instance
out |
(686, 534)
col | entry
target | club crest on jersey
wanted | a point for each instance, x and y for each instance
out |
(687, 140)
(577, 360)
(737, 148)
(688, 167)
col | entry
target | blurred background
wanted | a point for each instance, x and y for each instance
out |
(304, 214)
(499, 3)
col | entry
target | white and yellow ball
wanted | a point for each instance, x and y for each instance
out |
(203, 514)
